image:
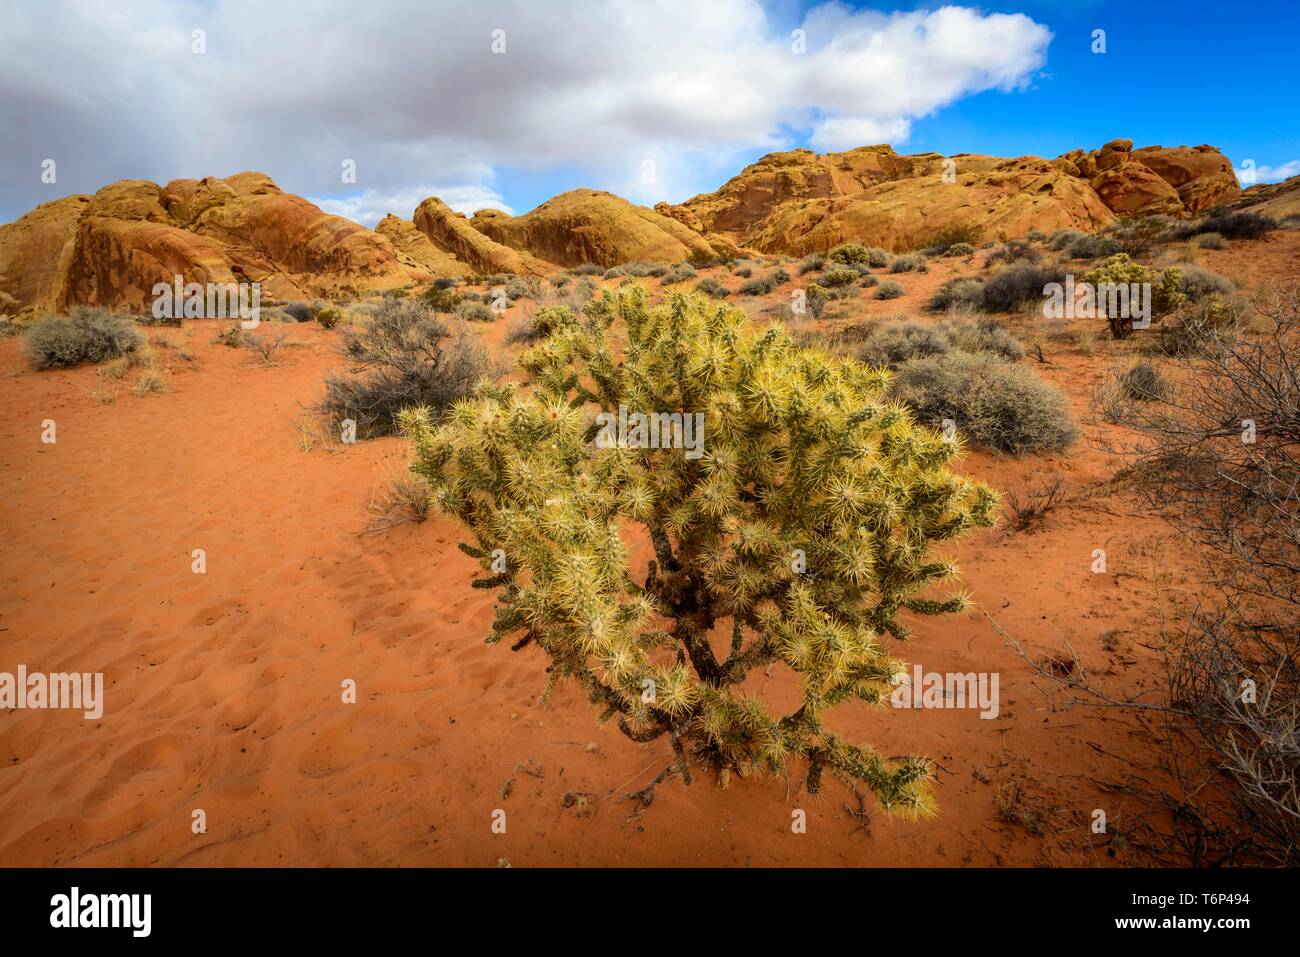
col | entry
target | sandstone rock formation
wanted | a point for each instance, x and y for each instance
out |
(799, 201)
(416, 250)
(111, 248)
(452, 232)
(1278, 200)
(1173, 181)
(589, 226)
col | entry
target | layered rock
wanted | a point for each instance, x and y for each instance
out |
(589, 226)
(451, 231)
(34, 253)
(800, 201)
(112, 248)
(1173, 181)
(416, 250)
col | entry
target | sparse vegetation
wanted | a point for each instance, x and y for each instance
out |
(1019, 285)
(86, 334)
(997, 403)
(847, 487)
(1242, 224)
(405, 356)
(710, 286)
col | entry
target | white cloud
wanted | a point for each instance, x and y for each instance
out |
(1275, 174)
(370, 206)
(411, 90)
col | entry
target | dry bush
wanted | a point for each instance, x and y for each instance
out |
(405, 357)
(1027, 506)
(998, 404)
(265, 346)
(1217, 455)
(86, 334)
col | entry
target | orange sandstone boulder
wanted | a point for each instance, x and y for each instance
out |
(415, 249)
(590, 226)
(112, 248)
(452, 232)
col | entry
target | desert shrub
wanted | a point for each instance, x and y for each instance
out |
(838, 277)
(561, 279)
(1196, 326)
(1119, 270)
(703, 258)
(877, 258)
(517, 289)
(476, 312)
(757, 287)
(405, 356)
(779, 277)
(152, 381)
(984, 335)
(998, 404)
(1062, 239)
(813, 262)
(893, 343)
(1215, 456)
(799, 460)
(328, 316)
(232, 337)
(1018, 285)
(584, 289)
(587, 269)
(907, 263)
(712, 287)
(957, 292)
(889, 289)
(614, 272)
(1210, 241)
(1016, 250)
(1091, 247)
(298, 311)
(443, 299)
(536, 328)
(1141, 382)
(956, 234)
(1238, 225)
(849, 254)
(680, 273)
(1196, 283)
(959, 249)
(87, 334)
(265, 346)
(744, 272)
(643, 269)
(816, 298)
(890, 344)
(1136, 235)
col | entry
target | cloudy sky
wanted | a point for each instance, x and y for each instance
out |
(506, 102)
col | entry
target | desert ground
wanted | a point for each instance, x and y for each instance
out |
(224, 688)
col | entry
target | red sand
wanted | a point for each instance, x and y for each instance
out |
(224, 689)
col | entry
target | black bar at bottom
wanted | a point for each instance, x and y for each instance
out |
(333, 906)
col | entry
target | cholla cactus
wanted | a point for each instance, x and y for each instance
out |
(1120, 270)
(796, 536)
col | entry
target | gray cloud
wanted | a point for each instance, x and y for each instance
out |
(411, 90)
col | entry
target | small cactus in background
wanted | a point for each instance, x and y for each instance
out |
(795, 533)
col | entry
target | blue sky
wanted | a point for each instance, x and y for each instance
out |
(1180, 73)
(416, 96)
